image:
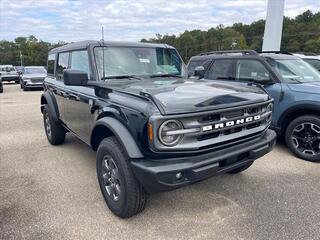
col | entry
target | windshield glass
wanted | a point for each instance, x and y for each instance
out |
(34, 71)
(120, 61)
(295, 70)
(7, 69)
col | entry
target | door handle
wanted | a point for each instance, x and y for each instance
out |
(74, 97)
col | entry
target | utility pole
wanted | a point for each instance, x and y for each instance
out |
(20, 58)
(273, 28)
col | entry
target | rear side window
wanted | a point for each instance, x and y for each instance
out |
(221, 70)
(251, 69)
(80, 61)
(51, 61)
(63, 60)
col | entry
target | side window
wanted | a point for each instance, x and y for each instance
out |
(50, 66)
(80, 61)
(63, 59)
(221, 69)
(251, 69)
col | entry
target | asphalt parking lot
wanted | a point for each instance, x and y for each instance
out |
(51, 192)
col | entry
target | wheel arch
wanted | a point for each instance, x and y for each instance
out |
(107, 127)
(47, 99)
(297, 111)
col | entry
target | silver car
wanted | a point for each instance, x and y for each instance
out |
(9, 74)
(32, 77)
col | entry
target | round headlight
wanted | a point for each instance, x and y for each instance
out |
(167, 133)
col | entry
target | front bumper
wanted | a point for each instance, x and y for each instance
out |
(30, 84)
(160, 175)
(10, 78)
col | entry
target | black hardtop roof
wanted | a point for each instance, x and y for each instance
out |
(88, 43)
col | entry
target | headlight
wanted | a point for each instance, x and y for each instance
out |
(169, 134)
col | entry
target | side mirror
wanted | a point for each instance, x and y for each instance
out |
(263, 81)
(199, 71)
(75, 77)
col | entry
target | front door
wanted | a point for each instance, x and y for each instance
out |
(79, 99)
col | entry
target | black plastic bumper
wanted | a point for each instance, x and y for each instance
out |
(160, 175)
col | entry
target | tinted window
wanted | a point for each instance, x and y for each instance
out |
(221, 69)
(251, 69)
(51, 61)
(63, 59)
(193, 64)
(80, 61)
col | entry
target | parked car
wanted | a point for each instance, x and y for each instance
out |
(32, 77)
(1, 86)
(8, 74)
(293, 83)
(152, 127)
(312, 59)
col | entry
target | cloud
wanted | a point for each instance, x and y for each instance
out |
(68, 20)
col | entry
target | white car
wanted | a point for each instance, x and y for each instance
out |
(8, 73)
(32, 77)
(313, 60)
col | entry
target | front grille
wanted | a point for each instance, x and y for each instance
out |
(220, 127)
(37, 80)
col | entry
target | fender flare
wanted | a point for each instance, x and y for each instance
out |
(122, 134)
(303, 106)
(52, 105)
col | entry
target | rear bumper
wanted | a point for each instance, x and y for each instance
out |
(160, 175)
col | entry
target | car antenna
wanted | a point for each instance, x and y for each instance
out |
(103, 70)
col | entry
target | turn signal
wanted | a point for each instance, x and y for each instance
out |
(150, 132)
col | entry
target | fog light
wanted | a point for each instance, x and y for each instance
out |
(179, 175)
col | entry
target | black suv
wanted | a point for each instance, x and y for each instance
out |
(292, 83)
(152, 127)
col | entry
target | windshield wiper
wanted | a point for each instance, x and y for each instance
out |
(165, 75)
(122, 77)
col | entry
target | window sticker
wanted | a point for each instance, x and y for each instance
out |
(144, 60)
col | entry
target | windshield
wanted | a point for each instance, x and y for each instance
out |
(313, 62)
(122, 61)
(7, 69)
(34, 71)
(295, 70)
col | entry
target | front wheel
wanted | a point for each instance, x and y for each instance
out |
(303, 137)
(122, 192)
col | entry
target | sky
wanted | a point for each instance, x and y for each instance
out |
(71, 20)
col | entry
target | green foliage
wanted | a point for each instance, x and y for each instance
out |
(299, 34)
(33, 51)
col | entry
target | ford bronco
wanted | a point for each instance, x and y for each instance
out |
(152, 127)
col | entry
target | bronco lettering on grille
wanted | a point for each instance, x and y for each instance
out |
(231, 123)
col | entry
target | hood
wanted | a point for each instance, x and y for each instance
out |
(176, 95)
(35, 75)
(310, 88)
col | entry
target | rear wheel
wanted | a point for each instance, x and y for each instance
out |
(56, 134)
(122, 192)
(303, 137)
(24, 87)
(240, 169)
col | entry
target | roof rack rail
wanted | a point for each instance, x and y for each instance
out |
(277, 52)
(244, 52)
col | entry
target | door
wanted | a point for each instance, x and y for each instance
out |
(249, 69)
(79, 99)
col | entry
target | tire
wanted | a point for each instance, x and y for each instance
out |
(24, 87)
(303, 137)
(55, 133)
(127, 197)
(240, 169)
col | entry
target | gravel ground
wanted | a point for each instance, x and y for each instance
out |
(51, 192)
